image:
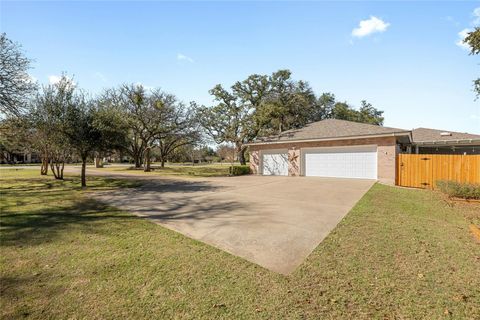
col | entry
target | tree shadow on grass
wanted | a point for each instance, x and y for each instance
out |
(18, 193)
(16, 287)
(38, 226)
(33, 212)
(37, 286)
(36, 214)
(34, 185)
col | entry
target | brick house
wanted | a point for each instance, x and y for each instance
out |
(346, 149)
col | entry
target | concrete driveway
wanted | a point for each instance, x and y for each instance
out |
(275, 222)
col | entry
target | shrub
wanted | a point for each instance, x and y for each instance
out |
(459, 190)
(239, 170)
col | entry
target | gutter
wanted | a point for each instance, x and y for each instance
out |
(392, 134)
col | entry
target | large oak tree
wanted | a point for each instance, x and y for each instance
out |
(16, 85)
(267, 105)
(153, 119)
(229, 121)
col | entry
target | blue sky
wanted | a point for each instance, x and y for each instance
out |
(404, 61)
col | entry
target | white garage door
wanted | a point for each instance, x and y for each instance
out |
(342, 162)
(275, 163)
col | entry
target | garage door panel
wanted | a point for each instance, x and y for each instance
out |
(342, 163)
(275, 164)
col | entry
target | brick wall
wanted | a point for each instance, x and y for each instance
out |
(255, 161)
(294, 162)
(386, 151)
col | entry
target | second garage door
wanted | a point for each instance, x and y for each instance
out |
(275, 163)
(341, 162)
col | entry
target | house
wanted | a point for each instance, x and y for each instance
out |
(346, 149)
(16, 157)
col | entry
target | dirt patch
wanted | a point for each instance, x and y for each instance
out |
(475, 231)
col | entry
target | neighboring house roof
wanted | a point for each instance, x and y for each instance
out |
(331, 129)
(433, 136)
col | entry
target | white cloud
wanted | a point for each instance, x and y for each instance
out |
(370, 26)
(182, 57)
(461, 36)
(476, 14)
(53, 79)
(100, 76)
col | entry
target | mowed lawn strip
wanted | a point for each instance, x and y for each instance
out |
(399, 253)
(186, 170)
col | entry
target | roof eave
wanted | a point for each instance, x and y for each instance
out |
(390, 134)
(447, 142)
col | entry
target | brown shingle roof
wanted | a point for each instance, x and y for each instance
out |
(331, 128)
(431, 135)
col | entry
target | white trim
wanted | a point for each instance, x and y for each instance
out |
(393, 134)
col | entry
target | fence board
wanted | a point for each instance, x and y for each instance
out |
(424, 170)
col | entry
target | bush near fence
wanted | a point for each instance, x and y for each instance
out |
(459, 190)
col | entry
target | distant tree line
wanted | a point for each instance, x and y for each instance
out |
(61, 121)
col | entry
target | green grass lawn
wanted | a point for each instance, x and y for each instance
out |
(18, 164)
(35, 164)
(399, 254)
(207, 170)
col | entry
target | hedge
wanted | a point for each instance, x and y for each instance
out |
(459, 190)
(239, 170)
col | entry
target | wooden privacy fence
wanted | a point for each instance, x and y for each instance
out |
(424, 170)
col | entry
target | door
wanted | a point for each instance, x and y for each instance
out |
(359, 162)
(275, 163)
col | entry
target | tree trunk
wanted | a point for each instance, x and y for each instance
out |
(241, 154)
(84, 168)
(57, 168)
(44, 167)
(98, 162)
(147, 160)
(162, 162)
(61, 169)
(138, 160)
(241, 157)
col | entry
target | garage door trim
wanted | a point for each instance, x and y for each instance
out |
(304, 151)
